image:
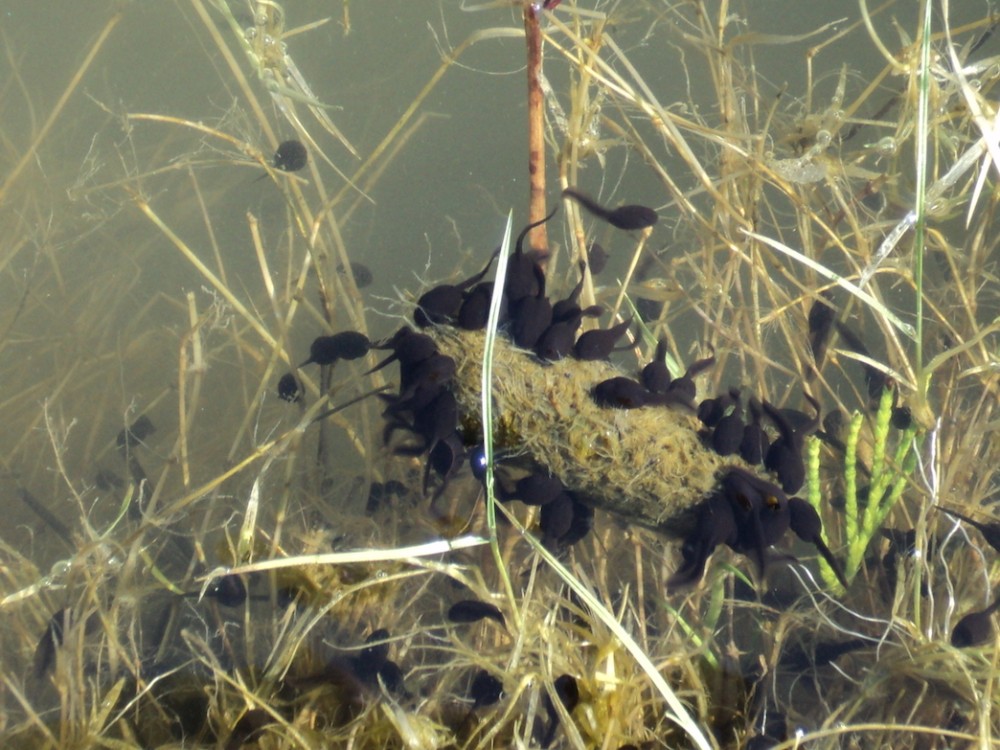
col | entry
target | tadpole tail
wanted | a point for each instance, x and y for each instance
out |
(832, 561)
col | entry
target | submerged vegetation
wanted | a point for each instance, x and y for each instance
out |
(209, 544)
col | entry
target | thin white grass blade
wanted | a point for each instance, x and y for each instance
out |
(905, 328)
(486, 387)
(427, 549)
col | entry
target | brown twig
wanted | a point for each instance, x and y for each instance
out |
(538, 238)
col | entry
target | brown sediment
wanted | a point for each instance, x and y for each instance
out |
(648, 466)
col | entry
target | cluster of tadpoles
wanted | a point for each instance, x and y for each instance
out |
(746, 512)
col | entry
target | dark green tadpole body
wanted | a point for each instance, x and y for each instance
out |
(291, 156)
(975, 628)
(628, 217)
(325, 350)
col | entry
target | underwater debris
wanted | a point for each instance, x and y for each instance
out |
(290, 156)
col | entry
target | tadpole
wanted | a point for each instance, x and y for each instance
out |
(990, 530)
(325, 350)
(599, 343)
(485, 690)
(975, 628)
(291, 156)
(624, 217)
(474, 610)
(289, 389)
(656, 375)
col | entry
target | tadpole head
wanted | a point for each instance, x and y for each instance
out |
(290, 156)
(973, 630)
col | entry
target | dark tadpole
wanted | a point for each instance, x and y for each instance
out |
(711, 410)
(598, 344)
(597, 257)
(536, 489)
(728, 433)
(822, 315)
(362, 274)
(990, 530)
(474, 313)
(621, 393)
(522, 276)
(291, 156)
(715, 525)
(623, 217)
(568, 693)
(808, 526)
(485, 689)
(473, 610)
(442, 304)
(531, 315)
(373, 656)
(755, 442)
(229, 591)
(136, 432)
(52, 638)
(656, 375)
(408, 347)
(557, 340)
(556, 519)
(581, 523)
(445, 458)
(975, 628)
(249, 728)
(683, 388)
(289, 389)
(784, 457)
(325, 350)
